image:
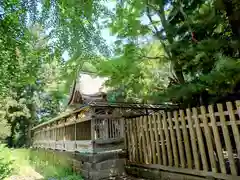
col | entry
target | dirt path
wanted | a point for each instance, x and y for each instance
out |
(26, 173)
(23, 169)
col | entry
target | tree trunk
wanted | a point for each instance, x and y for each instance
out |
(232, 8)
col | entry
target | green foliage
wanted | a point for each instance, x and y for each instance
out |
(51, 165)
(23, 163)
(24, 54)
(6, 164)
(134, 72)
(199, 54)
(179, 51)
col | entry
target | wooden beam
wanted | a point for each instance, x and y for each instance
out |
(106, 116)
(109, 141)
(64, 115)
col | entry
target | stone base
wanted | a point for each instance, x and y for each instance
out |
(100, 166)
(89, 165)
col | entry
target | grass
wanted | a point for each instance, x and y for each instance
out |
(52, 165)
(37, 165)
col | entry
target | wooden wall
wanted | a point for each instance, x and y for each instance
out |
(82, 131)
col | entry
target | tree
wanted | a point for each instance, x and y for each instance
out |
(34, 34)
(195, 37)
(137, 73)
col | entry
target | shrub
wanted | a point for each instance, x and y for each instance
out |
(6, 164)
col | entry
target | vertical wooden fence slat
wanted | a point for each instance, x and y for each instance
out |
(173, 140)
(113, 129)
(152, 140)
(110, 128)
(169, 149)
(140, 147)
(208, 135)
(132, 139)
(217, 139)
(144, 141)
(117, 128)
(186, 139)
(148, 145)
(101, 128)
(125, 134)
(234, 125)
(238, 108)
(64, 134)
(135, 139)
(106, 129)
(121, 127)
(200, 140)
(160, 128)
(179, 140)
(155, 126)
(238, 113)
(129, 141)
(99, 124)
(227, 139)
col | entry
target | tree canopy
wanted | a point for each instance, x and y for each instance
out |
(185, 52)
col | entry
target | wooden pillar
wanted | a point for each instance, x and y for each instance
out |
(93, 130)
(75, 130)
(46, 137)
(55, 134)
(64, 133)
(41, 137)
(106, 128)
(122, 127)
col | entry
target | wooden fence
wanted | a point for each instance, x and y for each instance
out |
(201, 141)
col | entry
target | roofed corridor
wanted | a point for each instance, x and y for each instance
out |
(89, 123)
(91, 133)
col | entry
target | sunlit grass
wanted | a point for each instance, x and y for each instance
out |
(38, 164)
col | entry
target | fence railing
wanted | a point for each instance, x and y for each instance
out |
(201, 140)
(108, 128)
